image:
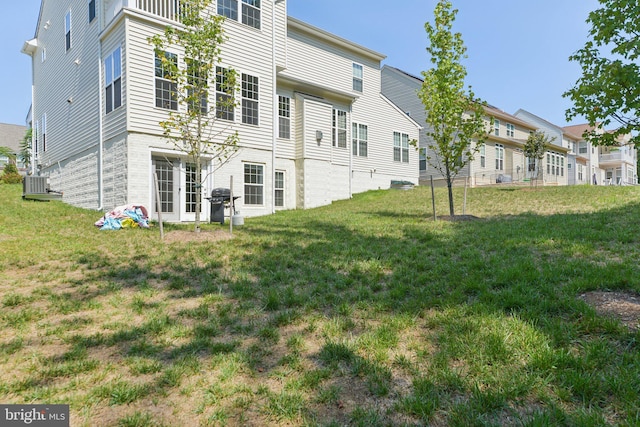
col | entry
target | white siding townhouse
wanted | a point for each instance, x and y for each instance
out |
(501, 159)
(313, 124)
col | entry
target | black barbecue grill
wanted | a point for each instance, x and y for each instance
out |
(220, 197)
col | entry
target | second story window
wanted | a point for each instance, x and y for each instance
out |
(250, 107)
(92, 10)
(67, 30)
(251, 13)
(357, 77)
(284, 117)
(496, 127)
(113, 80)
(400, 147)
(339, 137)
(483, 156)
(224, 95)
(166, 90)
(228, 8)
(511, 130)
(197, 92)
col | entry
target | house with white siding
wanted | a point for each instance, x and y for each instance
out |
(313, 124)
(500, 160)
(10, 137)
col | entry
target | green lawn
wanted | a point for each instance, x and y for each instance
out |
(363, 313)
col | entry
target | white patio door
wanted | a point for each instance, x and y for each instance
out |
(168, 172)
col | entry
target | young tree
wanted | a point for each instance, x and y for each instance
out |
(455, 117)
(191, 127)
(8, 153)
(24, 155)
(535, 147)
(609, 90)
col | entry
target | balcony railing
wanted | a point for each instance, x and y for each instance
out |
(167, 9)
(616, 156)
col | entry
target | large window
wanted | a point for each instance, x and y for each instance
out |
(67, 30)
(192, 188)
(483, 156)
(113, 80)
(166, 90)
(197, 91)
(279, 187)
(400, 147)
(499, 157)
(253, 184)
(224, 95)
(339, 137)
(357, 77)
(555, 164)
(284, 117)
(360, 138)
(250, 11)
(250, 107)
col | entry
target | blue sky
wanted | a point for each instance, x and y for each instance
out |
(517, 50)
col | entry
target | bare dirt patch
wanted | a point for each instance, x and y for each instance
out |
(624, 306)
(191, 236)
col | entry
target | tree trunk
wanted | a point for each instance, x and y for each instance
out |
(198, 184)
(450, 188)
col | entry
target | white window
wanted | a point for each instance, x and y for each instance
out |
(400, 147)
(357, 77)
(166, 90)
(496, 127)
(250, 107)
(224, 95)
(67, 30)
(511, 130)
(499, 157)
(284, 117)
(43, 55)
(113, 80)
(339, 137)
(279, 187)
(92, 10)
(360, 138)
(483, 156)
(253, 184)
(250, 11)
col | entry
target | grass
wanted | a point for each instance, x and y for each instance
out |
(365, 312)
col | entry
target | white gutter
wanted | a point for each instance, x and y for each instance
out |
(275, 122)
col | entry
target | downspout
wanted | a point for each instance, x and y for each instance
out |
(33, 129)
(350, 148)
(275, 124)
(100, 133)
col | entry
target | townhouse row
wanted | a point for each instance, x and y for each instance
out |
(318, 118)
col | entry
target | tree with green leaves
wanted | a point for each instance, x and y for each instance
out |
(608, 93)
(534, 148)
(24, 155)
(8, 153)
(455, 117)
(192, 127)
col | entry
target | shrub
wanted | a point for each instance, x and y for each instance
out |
(11, 175)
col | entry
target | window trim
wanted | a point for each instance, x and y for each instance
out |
(172, 87)
(250, 99)
(336, 131)
(115, 75)
(252, 5)
(204, 97)
(483, 155)
(224, 94)
(496, 127)
(279, 188)
(357, 142)
(249, 198)
(92, 11)
(499, 157)
(511, 130)
(400, 147)
(358, 80)
(284, 117)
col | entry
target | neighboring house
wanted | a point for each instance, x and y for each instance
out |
(579, 157)
(500, 160)
(612, 165)
(312, 122)
(11, 136)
